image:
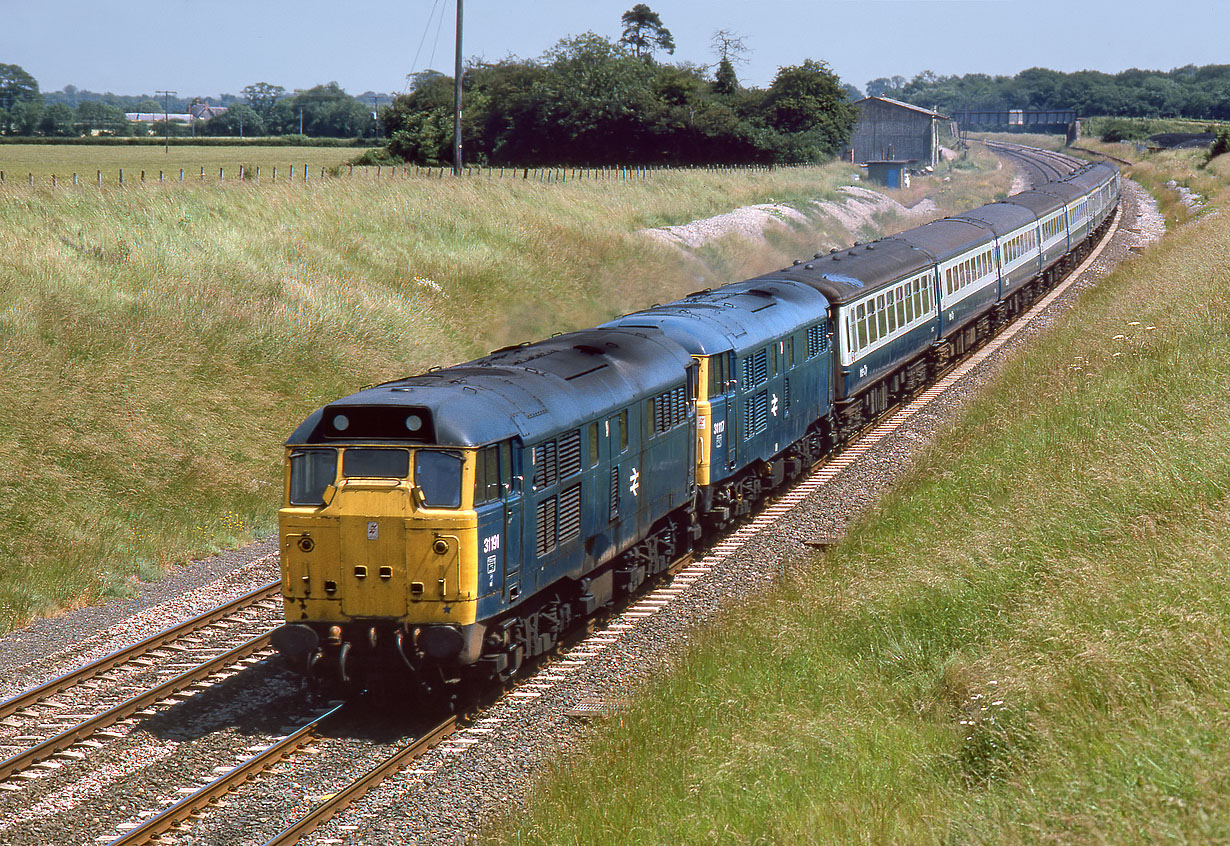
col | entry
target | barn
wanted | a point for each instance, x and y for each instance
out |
(891, 130)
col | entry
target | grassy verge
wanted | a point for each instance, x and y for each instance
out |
(158, 343)
(20, 161)
(1025, 642)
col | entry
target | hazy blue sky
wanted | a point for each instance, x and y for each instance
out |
(207, 47)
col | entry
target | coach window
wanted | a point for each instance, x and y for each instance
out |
(882, 314)
(899, 295)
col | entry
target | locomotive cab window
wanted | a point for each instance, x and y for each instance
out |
(437, 474)
(487, 479)
(311, 471)
(363, 463)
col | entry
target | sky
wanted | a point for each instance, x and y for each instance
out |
(209, 47)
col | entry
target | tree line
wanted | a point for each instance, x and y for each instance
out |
(262, 109)
(593, 101)
(1190, 91)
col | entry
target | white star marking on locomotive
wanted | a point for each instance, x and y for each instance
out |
(774, 405)
(634, 481)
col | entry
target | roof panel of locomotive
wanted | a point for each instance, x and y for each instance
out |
(739, 316)
(529, 391)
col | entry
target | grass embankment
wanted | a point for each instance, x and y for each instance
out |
(157, 344)
(20, 161)
(1025, 642)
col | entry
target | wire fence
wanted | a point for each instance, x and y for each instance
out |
(303, 173)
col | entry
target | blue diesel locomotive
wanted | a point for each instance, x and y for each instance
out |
(455, 523)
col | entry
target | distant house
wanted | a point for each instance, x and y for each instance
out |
(889, 130)
(204, 111)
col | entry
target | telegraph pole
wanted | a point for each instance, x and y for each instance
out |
(457, 99)
(166, 119)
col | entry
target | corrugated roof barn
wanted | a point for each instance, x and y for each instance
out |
(891, 130)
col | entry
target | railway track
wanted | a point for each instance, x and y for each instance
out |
(1039, 165)
(40, 724)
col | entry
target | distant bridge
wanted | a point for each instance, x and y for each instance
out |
(969, 119)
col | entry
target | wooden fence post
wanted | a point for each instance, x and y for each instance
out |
(219, 174)
(241, 173)
(74, 178)
(351, 171)
(142, 176)
(121, 177)
(53, 181)
(322, 173)
(202, 173)
(100, 179)
(292, 173)
(32, 178)
(181, 174)
(275, 173)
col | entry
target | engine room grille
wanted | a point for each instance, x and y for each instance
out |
(614, 512)
(755, 369)
(817, 341)
(545, 532)
(756, 415)
(670, 409)
(570, 513)
(546, 468)
(570, 453)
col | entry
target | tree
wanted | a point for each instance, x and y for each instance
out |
(261, 96)
(237, 120)
(25, 117)
(93, 115)
(16, 85)
(886, 86)
(58, 121)
(808, 102)
(643, 31)
(729, 48)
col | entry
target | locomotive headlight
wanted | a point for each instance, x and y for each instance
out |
(341, 422)
(307, 544)
(414, 422)
(440, 546)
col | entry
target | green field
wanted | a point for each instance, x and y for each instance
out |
(159, 342)
(1026, 641)
(20, 161)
